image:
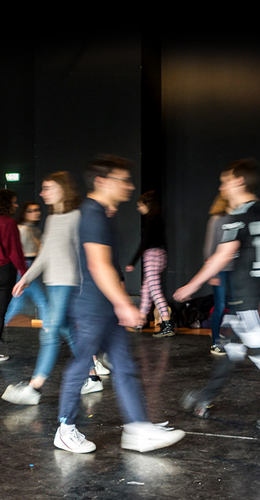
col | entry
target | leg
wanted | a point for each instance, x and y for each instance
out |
(15, 305)
(146, 300)
(7, 282)
(88, 339)
(154, 264)
(219, 306)
(36, 292)
(200, 400)
(127, 384)
(50, 338)
(139, 435)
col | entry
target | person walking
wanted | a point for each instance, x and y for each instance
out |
(58, 262)
(152, 249)
(11, 254)
(222, 283)
(101, 312)
(30, 236)
(241, 242)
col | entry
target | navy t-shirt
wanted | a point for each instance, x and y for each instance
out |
(243, 225)
(95, 227)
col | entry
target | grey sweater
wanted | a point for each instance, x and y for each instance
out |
(58, 259)
(30, 236)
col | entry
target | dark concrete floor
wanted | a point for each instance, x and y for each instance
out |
(218, 459)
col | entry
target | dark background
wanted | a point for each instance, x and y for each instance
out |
(180, 106)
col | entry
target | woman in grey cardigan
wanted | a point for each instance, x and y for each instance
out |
(58, 262)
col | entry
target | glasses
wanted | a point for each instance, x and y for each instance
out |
(127, 180)
(30, 211)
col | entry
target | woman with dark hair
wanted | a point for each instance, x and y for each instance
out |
(57, 261)
(153, 252)
(30, 236)
(11, 254)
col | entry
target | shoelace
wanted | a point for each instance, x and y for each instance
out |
(76, 436)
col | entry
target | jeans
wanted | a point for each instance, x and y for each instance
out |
(36, 293)
(220, 293)
(58, 327)
(7, 281)
(94, 333)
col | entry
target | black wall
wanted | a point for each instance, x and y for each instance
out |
(180, 106)
(211, 116)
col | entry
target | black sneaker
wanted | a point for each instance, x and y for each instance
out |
(165, 331)
(190, 401)
(218, 349)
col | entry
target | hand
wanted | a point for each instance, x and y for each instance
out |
(128, 315)
(18, 288)
(184, 293)
(129, 269)
(214, 282)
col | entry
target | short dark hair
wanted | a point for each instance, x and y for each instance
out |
(248, 168)
(102, 166)
(6, 201)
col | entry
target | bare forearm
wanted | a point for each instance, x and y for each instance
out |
(106, 278)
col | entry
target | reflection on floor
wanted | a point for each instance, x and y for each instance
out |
(218, 459)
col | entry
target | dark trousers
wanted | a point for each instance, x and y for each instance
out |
(7, 281)
(94, 334)
(244, 341)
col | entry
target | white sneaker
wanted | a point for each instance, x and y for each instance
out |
(91, 385)
(21, 394)
(145, 437)
(73, 441)
(100, 369)
(3, 358)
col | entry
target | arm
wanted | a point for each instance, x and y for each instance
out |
(105, 276)
(36, 268)
(223, 255)
(13, 246)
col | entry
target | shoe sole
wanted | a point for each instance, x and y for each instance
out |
(92, 391)
(143, 444)
(8, 396)
(160, 336)
(59, 444)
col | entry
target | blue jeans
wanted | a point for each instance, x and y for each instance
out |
(36, 293)
(220, 293)
(58, 327)
(94, 333)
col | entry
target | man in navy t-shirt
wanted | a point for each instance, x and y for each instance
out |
(241, 242)
(102, 311)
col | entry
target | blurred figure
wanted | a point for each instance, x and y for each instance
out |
(30, 236)
(57, 260)
(153, 252)
(222, 283)
(101, 312)
(241, 239)
(11, 254)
